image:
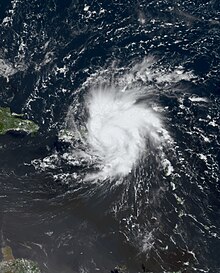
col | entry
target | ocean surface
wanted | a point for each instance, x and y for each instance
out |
(123, 175)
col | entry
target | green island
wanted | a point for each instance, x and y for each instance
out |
(12, 265)
(13, 122)
(19, 266)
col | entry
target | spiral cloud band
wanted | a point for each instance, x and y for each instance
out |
(118, 126)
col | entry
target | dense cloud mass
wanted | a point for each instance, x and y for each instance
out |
(117, 128)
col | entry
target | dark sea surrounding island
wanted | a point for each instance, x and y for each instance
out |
(57, 207)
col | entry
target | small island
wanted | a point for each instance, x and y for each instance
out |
(11, 122)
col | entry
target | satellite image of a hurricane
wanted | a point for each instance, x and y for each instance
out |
(110, 136)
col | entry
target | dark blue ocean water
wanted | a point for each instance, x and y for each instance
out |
(51, 54)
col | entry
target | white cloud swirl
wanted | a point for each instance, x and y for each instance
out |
(118, 126)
